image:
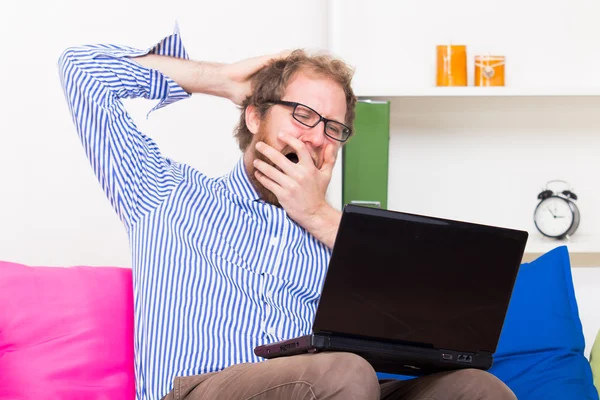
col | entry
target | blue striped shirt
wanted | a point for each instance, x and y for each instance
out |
(216, 271)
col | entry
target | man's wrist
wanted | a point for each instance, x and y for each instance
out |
(323, 224)
(211, 79)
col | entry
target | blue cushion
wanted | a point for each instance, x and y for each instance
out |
(540, 352)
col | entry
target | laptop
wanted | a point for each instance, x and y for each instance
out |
(412, 294)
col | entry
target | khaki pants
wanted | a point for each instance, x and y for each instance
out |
(332, 376)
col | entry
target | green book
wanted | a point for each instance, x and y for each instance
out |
(366, 156)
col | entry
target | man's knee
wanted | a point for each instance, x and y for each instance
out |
(348, 376)
(482, 385)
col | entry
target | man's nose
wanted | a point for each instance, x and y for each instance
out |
(315, 136)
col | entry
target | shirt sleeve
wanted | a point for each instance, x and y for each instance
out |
(129, 166)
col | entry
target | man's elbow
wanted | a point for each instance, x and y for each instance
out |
(67, 61)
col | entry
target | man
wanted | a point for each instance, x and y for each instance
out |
(223, 265)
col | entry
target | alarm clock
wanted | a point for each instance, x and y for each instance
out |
(556, 215)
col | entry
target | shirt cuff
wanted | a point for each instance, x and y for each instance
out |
(161, 86)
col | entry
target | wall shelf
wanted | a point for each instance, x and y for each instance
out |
(473, 91)
(577, 259)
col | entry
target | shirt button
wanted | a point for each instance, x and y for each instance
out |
(274, 241)
(271, 331)
(269, 293)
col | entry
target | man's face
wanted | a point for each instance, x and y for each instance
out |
(322, 95)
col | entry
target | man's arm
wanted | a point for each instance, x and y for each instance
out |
(129, 166)
(231, 81)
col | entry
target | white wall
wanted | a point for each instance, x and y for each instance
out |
(52, 210)
(487, 159)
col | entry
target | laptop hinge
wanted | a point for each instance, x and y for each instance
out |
(358, 337)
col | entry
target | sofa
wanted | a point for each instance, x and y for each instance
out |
(67, 333)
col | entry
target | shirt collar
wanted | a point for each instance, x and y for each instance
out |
(239, 183)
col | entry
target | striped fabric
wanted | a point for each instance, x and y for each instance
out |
(216, 270)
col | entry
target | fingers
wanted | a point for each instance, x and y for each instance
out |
(304, 156)
(268, 183)
(329, 160)
(276, 157)
(239, 74)
(255, 63)
(272, 173)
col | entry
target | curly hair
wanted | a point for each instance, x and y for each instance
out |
(270, 83)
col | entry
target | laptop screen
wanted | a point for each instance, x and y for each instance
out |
(415, 279)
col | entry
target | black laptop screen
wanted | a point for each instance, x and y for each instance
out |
(415, 279)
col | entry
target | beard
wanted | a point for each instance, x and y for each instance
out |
(264, 193)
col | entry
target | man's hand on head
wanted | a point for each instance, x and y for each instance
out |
(238, 75)
(301, 187)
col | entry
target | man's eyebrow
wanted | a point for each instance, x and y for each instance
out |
(342, 120)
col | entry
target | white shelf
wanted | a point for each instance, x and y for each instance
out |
(474, 91)
(579, 243)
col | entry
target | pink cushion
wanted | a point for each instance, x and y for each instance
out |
(66, 333)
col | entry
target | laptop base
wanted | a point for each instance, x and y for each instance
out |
(384, 357)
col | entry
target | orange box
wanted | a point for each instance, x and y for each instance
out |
(489, 70)
(451, 65)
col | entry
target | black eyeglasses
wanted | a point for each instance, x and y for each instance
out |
(309, 117)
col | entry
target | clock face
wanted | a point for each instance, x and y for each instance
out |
(553, 216)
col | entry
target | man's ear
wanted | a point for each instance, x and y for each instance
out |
(252, 119)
